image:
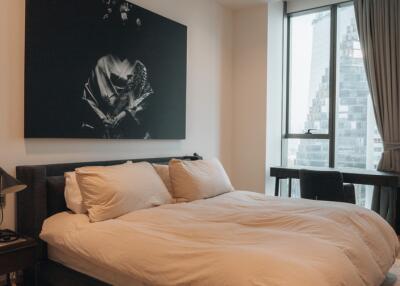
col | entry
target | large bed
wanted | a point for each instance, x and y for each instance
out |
(238, 238)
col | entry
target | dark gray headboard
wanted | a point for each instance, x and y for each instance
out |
(37, 202)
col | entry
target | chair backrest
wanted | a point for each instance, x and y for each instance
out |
(321, 185)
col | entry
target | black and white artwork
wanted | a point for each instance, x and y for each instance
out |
(103, 69)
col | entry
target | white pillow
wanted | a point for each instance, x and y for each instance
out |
(196, 180)
(110, 192)
(72, 194)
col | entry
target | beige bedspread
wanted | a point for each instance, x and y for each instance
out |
(239, 238)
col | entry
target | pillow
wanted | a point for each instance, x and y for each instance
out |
(163, 172)
(72, 194)
(195, 180)
(110, 192)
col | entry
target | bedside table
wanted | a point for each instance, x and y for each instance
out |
(17, 255)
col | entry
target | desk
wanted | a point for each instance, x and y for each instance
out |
(350, 175)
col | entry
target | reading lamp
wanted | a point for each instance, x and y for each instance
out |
(8, 185)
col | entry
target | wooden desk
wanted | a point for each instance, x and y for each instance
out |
(350, 175)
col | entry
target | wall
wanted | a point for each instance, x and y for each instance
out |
(249, 92)
(209, 104)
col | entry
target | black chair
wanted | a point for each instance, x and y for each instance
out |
(325, 186)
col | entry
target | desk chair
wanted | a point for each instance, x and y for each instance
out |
(325, 186)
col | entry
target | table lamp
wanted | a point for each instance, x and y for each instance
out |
(8, 185)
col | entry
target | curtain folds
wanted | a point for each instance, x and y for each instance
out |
(378, 24)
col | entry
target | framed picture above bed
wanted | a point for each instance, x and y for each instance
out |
(103, 69)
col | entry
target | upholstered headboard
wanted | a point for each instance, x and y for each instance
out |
(45, 193)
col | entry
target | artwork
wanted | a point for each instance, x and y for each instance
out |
(103, 69)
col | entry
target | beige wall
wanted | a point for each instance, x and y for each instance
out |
(249, 92)
(209, 106)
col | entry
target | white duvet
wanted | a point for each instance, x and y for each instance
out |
(239, 238)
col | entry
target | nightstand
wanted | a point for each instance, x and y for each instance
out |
(17, 255)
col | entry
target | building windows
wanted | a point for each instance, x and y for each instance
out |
(329, 115)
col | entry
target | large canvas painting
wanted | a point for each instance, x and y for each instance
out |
(103, 69)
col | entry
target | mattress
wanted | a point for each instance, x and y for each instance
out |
(238, 238)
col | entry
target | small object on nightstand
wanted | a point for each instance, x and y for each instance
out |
(8, 185)
(17, 255)
(7, 235)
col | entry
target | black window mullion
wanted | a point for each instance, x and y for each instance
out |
(307, 136)
(287, 86)
(285, 79)
(332, 87)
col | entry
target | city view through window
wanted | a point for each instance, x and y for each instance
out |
(357, 140)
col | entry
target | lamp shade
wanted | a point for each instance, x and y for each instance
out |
(9, 184)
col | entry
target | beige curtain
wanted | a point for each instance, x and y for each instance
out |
(379, 28)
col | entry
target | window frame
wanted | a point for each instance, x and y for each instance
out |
(331, 135)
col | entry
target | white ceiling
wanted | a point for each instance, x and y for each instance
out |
(237, 4)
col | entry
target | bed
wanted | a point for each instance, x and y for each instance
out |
(239, 238)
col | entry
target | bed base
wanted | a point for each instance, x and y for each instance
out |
(54, 274)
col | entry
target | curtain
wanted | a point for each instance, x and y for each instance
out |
(378, 24)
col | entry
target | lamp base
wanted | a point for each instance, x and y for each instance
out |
(7, 235)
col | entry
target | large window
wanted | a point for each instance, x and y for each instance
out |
(329, 114)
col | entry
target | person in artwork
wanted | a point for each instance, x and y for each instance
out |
(116, 94)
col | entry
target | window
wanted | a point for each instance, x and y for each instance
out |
(309, 73)
(329, 115)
